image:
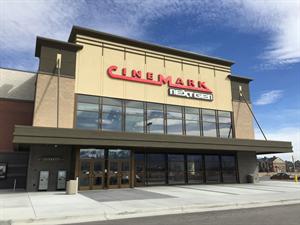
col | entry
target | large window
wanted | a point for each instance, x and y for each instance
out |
(134, 118)
(155, 118)
(228, 168)
(176, 170)
(87, 112)
(212, 168)
(225, 125)
(195, 170)
(209, 123)
(192, 121)
(174, 119)
(156, 165)
(111, 114)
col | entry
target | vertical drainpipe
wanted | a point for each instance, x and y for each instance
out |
(58, 67)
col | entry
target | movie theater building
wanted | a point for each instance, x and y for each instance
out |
(117, 112)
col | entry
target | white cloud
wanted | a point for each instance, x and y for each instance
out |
(284, 134)
(279, 21)
(269, 97)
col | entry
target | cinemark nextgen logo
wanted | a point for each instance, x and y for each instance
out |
(187, 89)
(190, 94)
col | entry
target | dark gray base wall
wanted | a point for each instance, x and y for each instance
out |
(49, 158)
(247, 164)
(16, 169)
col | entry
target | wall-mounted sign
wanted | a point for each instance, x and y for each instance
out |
(51, 158)
(3, 170)
(190, 94)
(193, 88)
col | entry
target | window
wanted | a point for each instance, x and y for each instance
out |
(155, 118)
(134, 118)
(91, 153)
(111, 114)
(174, 119)
(225, 125)
(176, 171)
(228, 168)
(209, 123)
(195, 169)
(212, 168)
(156, 165)
(87, 112)
(192, 122)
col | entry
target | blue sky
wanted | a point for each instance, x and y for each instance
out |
(261, 37)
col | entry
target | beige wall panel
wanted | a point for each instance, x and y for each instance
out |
(223, 91)
(92, 78)
(89, 64)
(155, 93)
(208, 76)
(45, 108)
(135, 90)
(174, 69)
(112, 87)
(122, 46)
(191, 72)
(243, 122)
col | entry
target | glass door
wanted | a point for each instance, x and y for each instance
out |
(212, 168)
(176, 170)
(229, 173)
(98, 174)
(84, 175)
(91, 169)
(140, 170)
(118, 168)
(195, 169)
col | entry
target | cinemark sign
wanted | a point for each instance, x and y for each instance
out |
(187, 89)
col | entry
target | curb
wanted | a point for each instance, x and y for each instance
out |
(146, 213)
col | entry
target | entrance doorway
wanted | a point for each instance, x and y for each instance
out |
(104, 168)
(92, 169)
(118, 168)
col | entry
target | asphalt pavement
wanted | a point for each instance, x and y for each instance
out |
(275, 215)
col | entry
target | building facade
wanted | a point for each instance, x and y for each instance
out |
(117, 112)
(274, 164)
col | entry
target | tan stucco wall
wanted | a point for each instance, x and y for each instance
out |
(45, 108)
(243, 121)
(97, 55)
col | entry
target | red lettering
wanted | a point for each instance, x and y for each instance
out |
(137, 74)
(111, 69)
(137, 77)
(203, 86)
(164, 80)
(149, 76)
(179, 81)
(124, 71)
(190, 83)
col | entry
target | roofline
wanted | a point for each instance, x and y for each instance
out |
(239, 78)
(40, 41)
(18, 70)
(140, 44)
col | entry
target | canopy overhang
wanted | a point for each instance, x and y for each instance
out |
(78, 137)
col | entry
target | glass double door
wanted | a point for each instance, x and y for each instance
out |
(118, 174)
(91, 174)
(104, 168)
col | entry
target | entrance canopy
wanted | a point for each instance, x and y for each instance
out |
(78, 137)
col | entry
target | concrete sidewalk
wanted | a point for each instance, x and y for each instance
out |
(57, 208)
